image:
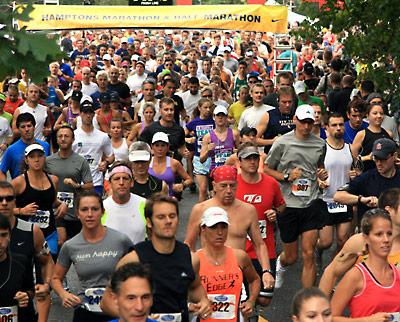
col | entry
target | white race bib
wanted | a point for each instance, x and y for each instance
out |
(335, 208)
(395, 317)
(9, 314)
(263, 228)
(41, 218)
(67, 197)
(223, 306)
(301, 187)
(93, 298)
(168, 317)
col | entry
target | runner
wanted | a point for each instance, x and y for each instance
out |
(144, 184)
(124, 211)
(296, 160)
(132, 290)
(173, 267)
(73, 173)
(263, 192)
(370, 288)
(311, 303)
(94, 146)
(94, 252)
(219, 263)
(242, 217)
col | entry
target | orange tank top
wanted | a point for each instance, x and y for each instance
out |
(223, 284)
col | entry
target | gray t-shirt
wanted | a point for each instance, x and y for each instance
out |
(75, 167)
(94, 263)
(289, 152)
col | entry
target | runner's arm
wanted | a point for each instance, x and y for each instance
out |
(43, 254)
(204, 148)
(250, 274)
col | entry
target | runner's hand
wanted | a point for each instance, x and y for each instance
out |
(295, 174)
(370, 201)
(41, 291)
(246, 308)
(29, 209)
(270, 214)
(202, 308)
(268, 280)
(322, 174)
(379, 317)
(72, 183)
(22, 298)
(70, 300)
(102, 166)
(177, 187)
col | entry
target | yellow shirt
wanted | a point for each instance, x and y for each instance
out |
(235, 111)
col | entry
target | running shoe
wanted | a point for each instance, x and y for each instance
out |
(280, 273)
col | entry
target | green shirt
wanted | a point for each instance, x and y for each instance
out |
(314, 99)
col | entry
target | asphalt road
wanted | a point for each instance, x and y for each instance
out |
(277, 311)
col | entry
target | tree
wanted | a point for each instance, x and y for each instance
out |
(21, 49)
(369, 31)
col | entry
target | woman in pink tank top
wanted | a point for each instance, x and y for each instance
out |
(371, 289)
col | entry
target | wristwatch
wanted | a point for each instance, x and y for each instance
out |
(268, 271)
(286, 177)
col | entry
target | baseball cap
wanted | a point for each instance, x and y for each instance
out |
(373, 96)
(220, 109)
(106, 57)
(254, 75)
(304, 112)
(33, 147)
(300, 87)
(2, 97)
(139, 155)
(308, 68)
(86, 98)
(160, 136)
(213, 216)
(248, 151)
(141, 62)
(203, 48)
(168, 42)
(125, 63)
(124, 40)
(135, 57)
(249, 53)
(114, 97)
(105, 97)
(247, 130)
(76, 96)
(383, 148)
(87, 107)
(207, 40)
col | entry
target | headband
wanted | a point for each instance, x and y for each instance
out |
(120, 169)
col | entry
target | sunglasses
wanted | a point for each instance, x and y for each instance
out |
(7, 198)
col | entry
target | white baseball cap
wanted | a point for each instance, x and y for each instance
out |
(160, 136)
(220, 109)
(213, 216)
(106, 57)
(300, 87)
(33, 147)
(139, 155)
(304, 112)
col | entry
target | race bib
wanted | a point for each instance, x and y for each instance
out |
(89, 158)
(221, 156)
(168, 317)
(301, 187)
(263, 228)
(9, 314)
(41, 218)
(93, 298)
(395, 317)
(334, 207)
(67, 197)
(223, 306)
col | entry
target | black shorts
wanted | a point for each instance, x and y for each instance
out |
(295, 221)
(73, 227)
(265, 292)
(339, 217)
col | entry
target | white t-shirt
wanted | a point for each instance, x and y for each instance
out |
(151, 65)
(127, 218)
(89, 89)
(135, 81)
(190, 101)
(5, 132)
(121, 153)
(40, 115)
(251, 116)
(92, 146)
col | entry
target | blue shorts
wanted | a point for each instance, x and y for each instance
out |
(52, 242)
(201, 168)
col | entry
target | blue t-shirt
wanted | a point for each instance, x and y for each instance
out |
(350, 133)
(200, 128)
(322, 133)
(14, 155)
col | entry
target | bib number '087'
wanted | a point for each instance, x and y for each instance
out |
(301, 187)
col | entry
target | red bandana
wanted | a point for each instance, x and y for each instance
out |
(224, 173)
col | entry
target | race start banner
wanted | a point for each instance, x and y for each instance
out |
(233, 17)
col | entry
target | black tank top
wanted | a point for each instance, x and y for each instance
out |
(145, 190)
(22, 240)
(44, 199)
(367, 144)
(172, 275)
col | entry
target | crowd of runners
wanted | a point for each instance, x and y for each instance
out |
(279, 138)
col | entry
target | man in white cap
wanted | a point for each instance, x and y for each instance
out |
(300, 89)
(124, 211)
(218, 263)
(296, 159)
